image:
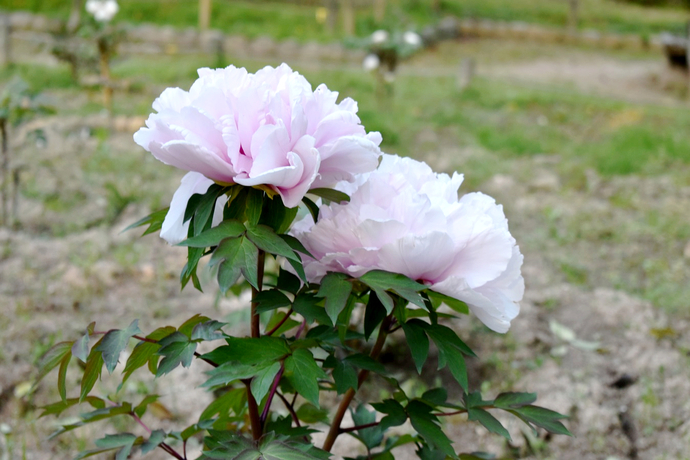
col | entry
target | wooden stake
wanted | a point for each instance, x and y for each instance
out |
(348, 11)
(204, 14)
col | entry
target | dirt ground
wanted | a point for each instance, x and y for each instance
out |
(615, 363)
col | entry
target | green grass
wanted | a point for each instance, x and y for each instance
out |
(281, 20)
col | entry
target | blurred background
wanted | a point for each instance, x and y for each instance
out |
(573, 114)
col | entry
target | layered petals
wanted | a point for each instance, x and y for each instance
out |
(404, 218)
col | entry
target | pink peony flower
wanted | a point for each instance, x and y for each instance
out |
(264, 129)
(404, 218)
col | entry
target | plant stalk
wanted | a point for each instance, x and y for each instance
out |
(253, 407)
(335, 430)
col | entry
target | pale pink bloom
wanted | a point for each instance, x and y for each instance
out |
(404, 218)
(267, 128)
(102, 10)
(174, 229)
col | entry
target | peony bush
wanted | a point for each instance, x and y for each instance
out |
(368, 246)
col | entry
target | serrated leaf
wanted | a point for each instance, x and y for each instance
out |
(336, 290)
(59, 407)
(270, 300)
(288, 282)
(188, 326)
(249, 350)
(144, 350)
(400, 284)
(543, 418)
(435, 396)
(140, 409)
(267, 240)
(222, 405)
(344, 376)
(329, 194)
(112, 344)
(233, 254)
(303, 373)
(363, 361)
(155, 439)
(426, 425)
(395, 413)
(512, 400)
(489, 421)
(307, 305)
(123, 441)
(296, 244)
(231, 371)
(153, 220)
(263, 380)
(417, 341)
(52, 358)
(208, 330)
(176, 350)
(371, 437)
(213, 236)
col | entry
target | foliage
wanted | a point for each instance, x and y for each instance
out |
(310, 344)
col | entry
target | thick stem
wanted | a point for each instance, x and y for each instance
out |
(334, 431)
(254, 418)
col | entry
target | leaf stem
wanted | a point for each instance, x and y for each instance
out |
(282, 321)
(255, 321)
(358, 427)
(253, 409)
(290, 408)
(334, 431)
(274, 388)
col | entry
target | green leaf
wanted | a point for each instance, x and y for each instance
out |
(277, 216)
(303, 373)
(140, 409)
(374, 313)
(231, 371)
(457, 305)
(363, 361)
(155, 439)
(233, 254)
(489, 421)
(426, 424)
(214, 235)
(296, 244)
(336, 289)
(329, 194)
(447, 335)
(59, 407)
(176, 350)
(255, 202)
(417, 341)
(80, 349)
(309, 413)
(231, 400)
(112, 344)
(52, 358)
(250, 351)
(202, 208)
(400, 284)
(344, 376)
(153, 220)
(92, 371)
(62, 376)
(208, 330)
(263, 380)
(188, 326)
(144, 350)
(543, 418)
(435, 396)
(270, 300)
(307, 305)
(312, 207)
(512, 400)
(395, 413)
(124, 441)
(288, 282)
(371, 437)
(267, 240)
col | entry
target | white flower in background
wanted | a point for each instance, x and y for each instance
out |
(404, 218)
(412, 38)
(102, 10)
(378, 37)
(371, 62)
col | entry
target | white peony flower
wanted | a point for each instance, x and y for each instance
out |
(102, 10)
(412, 38)
(371, 62)
(404, 218)
(378, 37)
